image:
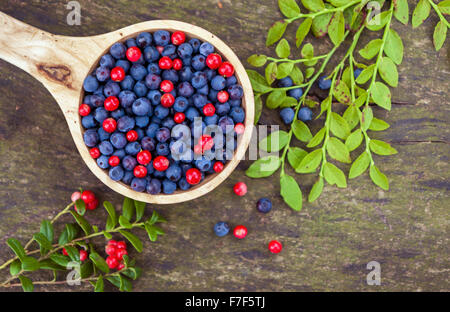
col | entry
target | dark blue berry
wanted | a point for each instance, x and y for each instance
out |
(295, 93)
(142, 107)
(236, 92)
(129, 162)
(127, 83)
(264, 205)
(173, 173)
(143, 40)
(162, 134)
(195, 43)
(107, 61)
(138, 184)
(116, 173)
(305, 114)
(102, 73)
(287, 114)
(90, 137)
(151, 55)
(198, 62)
(154, 187)
(161, 37)
(221, 228)
(148, 143)
(88, 121)
(218, 83)
(111, 89)
(152, 81)
(161, 112)
(133, 148)
(185, 50)
(324, 83)
(126, 98)
(138, 71)
(206, 48)
(142, 121)
(118, 50)
(238, 114)
(125, 123)
(90, 84)
(285, 82)
(102, 162)
(168, 186)
(199, 79)
(118, 140)
(185, 89)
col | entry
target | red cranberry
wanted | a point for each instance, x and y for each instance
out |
(209, 109)
(161, 163)
(167, 100)
(239, 128)
(83, 255)
(121, 266)
(218, 166)
(179, 117)
(117, 74)
(193, 176)
(112, 262)
(275, 246)
(144, 157)
(213, 61)
(240, 189)
(177, 64)
(140, 171)
(95, 152)
(206, 142)
(178, 37)
(64, 252)
(112, 242)
(114, 161)
(110, 250)
(198, 149)
(75, 196)
(84, 110)
(120, 253)
(109, 125)
(121, 245)
(166, 86)
(92, 205)
(111, 103)
(226, 69)
(160, 49)
(240, 231)
(133, 54)
(222, 96)
(88, 196)
(165, 62)
(132, 135)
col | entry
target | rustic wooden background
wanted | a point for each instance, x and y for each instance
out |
(326, 246)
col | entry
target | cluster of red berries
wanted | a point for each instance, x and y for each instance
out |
(89, 198)
(83, 254)
(115, 251)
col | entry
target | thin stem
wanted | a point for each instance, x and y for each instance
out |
(439, 13)
(325, 11)
(276, 60)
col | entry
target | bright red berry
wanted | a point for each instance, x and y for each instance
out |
(64, 252)
(214, 61)
(120, 266)
(75, 196)
(109, 125)
(209, 109)
(161, 163)
(240, 231)
(226, 69)
(132, 136)
(120, 253)
(165, 62)
(222, 96)
(144, 157)
(140, 171)
(111, 103)
(177, 64)
(114, 161)
(117, 74)
(92, 205)
(239, 128)
(207, 142)
(83, 255)
(178, 37)
(167, 100)
(160, 49)
(240, 189)
(88, 196)
(84, 110)
(121, 245)
(166, 86)
(110, 250)
(179, 117)
(112, 262)
(95, 152)
(198, 149)
(218, 166)
(275, 246)
(193, 176)
(112, 242)
(133, 54)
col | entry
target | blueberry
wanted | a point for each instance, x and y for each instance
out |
(125, 123)
(168, 186)
(127, 83)
(120, 153)
(97, 100)
(148, 143)
(211, 120)
(287, 114)
(106, 148)
(295, 93)
(183, 184)
(87, 100)
(154, 96)
(185, 50)
(133, 148)
(161, 112)
(90, 137)
(138, 184)
(143, 40)
(305, 114)
(118, 113)
(236, 92)
(118, 50)
(226, 124)
(238, 114)
(131, 43)
(212, 95)
(199, 79)
(232, 80)
(90, 84)
(324, 83)
(127, 177)
(162, 134)
(124, 64)
(150, 168)
(140, 133)
(102, 73)
(357, 72)
(154, 187)
(151, 55)
(235, 103)
(198, 62)
(151, 130)
(99, 90)
(206, 48)
(168, 122)
(185, 89)
(222, 108)
(142, 107)
(102, 162)
(116, 173)
(159, 174)
(199, 100)
(181, 104)
(88, 121)
(103, 135)
(173, 173)
(171, 75)
(118, 140)
(129, 162)
(195, 43)
(203, 164)
(264, 205)
(111, 89)
(203, 90)
(142, 121)
(210, 73)
(221, 228)
(138, 71)
(107, 61)
(185, 74)
(161, 37)
(186, 61)
(140, 89)
(218, 83)
(169, 50)
(285, 82)
(126, 98)
(191, 113)
(152, 81)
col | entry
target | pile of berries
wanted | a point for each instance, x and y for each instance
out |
(89, 198)
(263, 205)
(115, 251)
(161, 111)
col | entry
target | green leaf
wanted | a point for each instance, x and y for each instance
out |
(440, 33)
(124, 222)
(276, 32)
(307, 51)
(336, 29)
(378, 125)
(16, 246)
(334, 175)
(313, 5)
(151, 231)
(111, 222)
(114, 279)
(317, 138)
(371, 49)
(421, 13)
(351, 116)
(342, 93)
(379, 178)
(289, 8)
(136, 242)
(263, 167)
(27, 284)
(381, 148)
(271, 72)
(259, 83)
(47, 230)
(310, 162)
(361, 99)
(140, 209)
(68, 234)
(324, 105)
(381, 95)
(30, 264)
(339, 126)
(295, 156)
(401, 11)
(297, 75)
(275, 98)
(301, 131)
(394, 47)
(275, 141)
(320, 24)
(156, 217)
(80, 206)
(378, 21)
(257, 60)
(82, 222)
(359, 165)
(73, 253)
(15, 267)
(127, 208)
(43, 242)
(132, 273)
(125, 284)
(60, 259)
(86, 269)
(291, 193)
(444, 6)
(258, 108)
(316, 190)
(283, 50)
(366, 74)
(289, 102)
(367, 117)
(49, 264)
(388, 71)
(337, 150)
(99, 262)
(100, 284)
(302, 31)
(284, 69)
(354, 140)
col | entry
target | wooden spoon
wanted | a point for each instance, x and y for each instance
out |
(61, 64)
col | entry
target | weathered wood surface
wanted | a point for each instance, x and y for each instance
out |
(326, 246)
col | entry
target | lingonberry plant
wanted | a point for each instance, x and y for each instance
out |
(74, 250)
(351, 83)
